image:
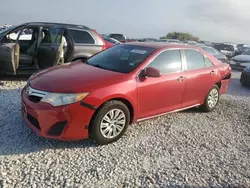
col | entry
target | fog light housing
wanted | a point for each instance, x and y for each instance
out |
(57, 128)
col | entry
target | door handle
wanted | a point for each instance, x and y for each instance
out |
(181, 78)
(212, 72)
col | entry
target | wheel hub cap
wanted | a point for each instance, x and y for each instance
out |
(213, 98)
(112, 123)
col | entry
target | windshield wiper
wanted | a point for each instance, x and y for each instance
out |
(102, 67)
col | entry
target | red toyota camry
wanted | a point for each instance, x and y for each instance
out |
(124, 84)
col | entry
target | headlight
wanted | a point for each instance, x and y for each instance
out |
(59, 99)
(247, 69)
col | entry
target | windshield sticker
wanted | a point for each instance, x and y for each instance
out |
(138, 51)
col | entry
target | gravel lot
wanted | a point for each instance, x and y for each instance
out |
(186, 149)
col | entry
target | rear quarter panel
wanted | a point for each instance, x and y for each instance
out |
(223, 74)
(85, 50)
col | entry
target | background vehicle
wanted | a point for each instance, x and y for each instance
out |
(48, 44)
(192, 43)
(110, 40)
(120, 37)
(207, 43)
(147, 40)
(121, 85)
(215, 53)
(245, 77)
(241, 61)
(170, 40)
(230, 50)
(243, 47)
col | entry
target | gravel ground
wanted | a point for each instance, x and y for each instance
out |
(186, 149)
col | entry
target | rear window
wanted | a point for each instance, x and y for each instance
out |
(224, 47)
(121, 58)
(82, 37)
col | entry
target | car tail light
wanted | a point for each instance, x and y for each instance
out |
(105, 44)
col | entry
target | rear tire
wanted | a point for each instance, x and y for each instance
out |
(212, 99)
(110, 123)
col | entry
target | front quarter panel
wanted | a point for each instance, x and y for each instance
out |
(126, 90)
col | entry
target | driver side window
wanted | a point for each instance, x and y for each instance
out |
(168, 61)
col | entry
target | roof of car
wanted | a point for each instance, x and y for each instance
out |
(160, 45)
(54, 23)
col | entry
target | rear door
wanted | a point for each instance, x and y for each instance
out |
(50, 49)
(201, 75)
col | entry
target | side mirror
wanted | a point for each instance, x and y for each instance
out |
(151, 72)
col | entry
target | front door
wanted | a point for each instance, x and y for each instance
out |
(163, 94)
(9, 55)
(200, 77)
(50, 49)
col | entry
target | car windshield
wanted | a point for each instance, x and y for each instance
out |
(121, 58)
(246, 52)
(6, 30)
(210, 50)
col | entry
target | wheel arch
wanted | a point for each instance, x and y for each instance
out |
(218, 84)
(123, 100)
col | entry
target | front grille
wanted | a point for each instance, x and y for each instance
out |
(33, 121)
(57, 128)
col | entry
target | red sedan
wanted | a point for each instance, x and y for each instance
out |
(124, 84)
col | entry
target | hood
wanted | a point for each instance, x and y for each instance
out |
(74, 78)
(242, 58)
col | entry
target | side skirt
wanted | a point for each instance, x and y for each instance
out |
(177, 110)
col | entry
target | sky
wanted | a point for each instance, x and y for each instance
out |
(213, 20)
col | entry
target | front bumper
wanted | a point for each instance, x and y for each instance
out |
(245, 77)
(69, 122)
(238, 65)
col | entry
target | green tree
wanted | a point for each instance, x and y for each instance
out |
(180, 36)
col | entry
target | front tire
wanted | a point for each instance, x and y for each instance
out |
(242, 81)
(212, 99)
(110, 123)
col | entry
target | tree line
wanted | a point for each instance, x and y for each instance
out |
(180, 36)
